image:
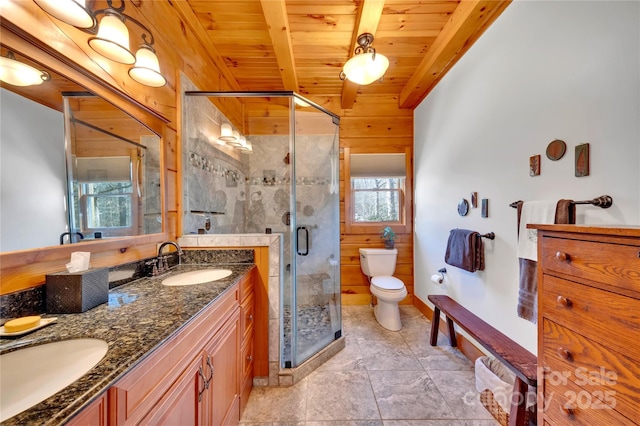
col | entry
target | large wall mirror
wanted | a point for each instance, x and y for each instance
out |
(74, 168)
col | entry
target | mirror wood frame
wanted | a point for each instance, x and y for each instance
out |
(23, 269)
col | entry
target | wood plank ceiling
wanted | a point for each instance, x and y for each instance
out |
(301, 45)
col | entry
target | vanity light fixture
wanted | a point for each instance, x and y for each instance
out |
(366, 66)
(110, 37)
(18, 73)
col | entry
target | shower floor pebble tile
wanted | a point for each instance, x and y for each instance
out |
(381, 378)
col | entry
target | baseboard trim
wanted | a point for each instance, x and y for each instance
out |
(464, 345)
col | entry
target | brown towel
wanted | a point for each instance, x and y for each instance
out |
(528, 281)
(465, 250)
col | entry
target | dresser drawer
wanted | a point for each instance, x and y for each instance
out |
(614, 264)
(608, 318)
(593, 367)
(568, 404)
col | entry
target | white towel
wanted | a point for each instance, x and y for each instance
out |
(533, 212)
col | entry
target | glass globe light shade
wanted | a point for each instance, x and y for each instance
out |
(72, 12)
(17, 73)
(364, 68)
(147, 68)
(112, 40)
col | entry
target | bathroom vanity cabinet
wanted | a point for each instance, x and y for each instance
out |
(588, 325)
(202, 375)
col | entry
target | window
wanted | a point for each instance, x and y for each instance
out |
(377, 191)
(108, 204)
(103, 195)
(377, 199)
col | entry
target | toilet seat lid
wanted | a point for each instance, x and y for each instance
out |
(387, 283)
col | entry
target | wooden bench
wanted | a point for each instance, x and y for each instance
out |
(519, 360)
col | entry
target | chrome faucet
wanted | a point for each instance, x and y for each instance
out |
(161, 261)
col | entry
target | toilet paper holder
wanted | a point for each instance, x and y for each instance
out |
(439, 279)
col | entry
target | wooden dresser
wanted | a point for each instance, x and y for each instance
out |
(588, 325)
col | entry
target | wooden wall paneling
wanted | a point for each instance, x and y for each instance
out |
(368, 129)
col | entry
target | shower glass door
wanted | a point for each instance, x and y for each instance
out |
(315, 230)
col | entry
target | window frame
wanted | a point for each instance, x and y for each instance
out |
(405, 225)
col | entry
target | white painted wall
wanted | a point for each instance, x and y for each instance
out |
(33, 174)
(543, 70)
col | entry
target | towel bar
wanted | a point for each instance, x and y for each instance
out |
(489, 236)
(604, 201)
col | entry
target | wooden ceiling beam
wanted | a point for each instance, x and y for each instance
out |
(369, 14)
(275, 13)
(466, 25)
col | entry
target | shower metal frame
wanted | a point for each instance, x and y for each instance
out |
(336, 120)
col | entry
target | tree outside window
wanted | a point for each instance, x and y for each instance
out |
(377, 199)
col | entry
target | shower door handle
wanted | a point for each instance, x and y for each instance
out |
(306, 240)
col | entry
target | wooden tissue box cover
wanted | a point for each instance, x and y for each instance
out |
(75, 292)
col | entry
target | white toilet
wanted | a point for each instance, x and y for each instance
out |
(379, 265)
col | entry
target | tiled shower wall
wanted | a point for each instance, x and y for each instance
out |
(251, 193)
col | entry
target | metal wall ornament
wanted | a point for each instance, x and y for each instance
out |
(556, 149)
(534, 165)
(582, 160)
(463, 207)
(485, 208)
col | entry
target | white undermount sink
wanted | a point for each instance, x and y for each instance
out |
(197, 277)
(31, 375)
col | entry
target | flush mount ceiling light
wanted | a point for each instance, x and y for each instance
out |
(18, 73)
(366, 66)
(111, 36)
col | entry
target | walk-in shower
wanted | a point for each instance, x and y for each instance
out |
(268, 163)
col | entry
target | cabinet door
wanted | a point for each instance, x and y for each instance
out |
(181, 404)
(222, 356)
(94, 415)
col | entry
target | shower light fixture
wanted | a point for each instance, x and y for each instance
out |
(18, 73)
(366, 66)
(111, 36)
(226, 133)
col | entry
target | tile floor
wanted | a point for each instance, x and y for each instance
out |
(381, 378)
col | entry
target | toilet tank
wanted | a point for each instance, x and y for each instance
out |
(376, 262)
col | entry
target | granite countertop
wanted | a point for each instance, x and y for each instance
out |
(137, 319)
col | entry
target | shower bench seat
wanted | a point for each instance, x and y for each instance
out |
(519, 360)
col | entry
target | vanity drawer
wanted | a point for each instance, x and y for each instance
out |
(605, 317)
(594, 367)
(568, 404)
(246, 285)
(247, 360)
(614, 264)
(248, 318)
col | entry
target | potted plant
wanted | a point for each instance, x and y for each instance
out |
(388, 236)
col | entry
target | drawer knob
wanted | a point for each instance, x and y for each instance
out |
(563, 301)
(250, 317)
(565, 354)
(250, 358)
(562, 256)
